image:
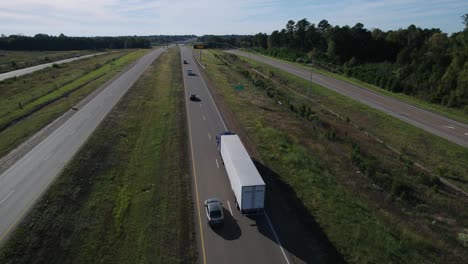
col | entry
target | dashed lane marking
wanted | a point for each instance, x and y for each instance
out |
(6, 197)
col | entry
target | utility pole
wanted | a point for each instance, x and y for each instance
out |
(200, 56)
(310, 83)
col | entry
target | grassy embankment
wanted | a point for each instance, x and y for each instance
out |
(13, 60)
(456, 114)
(442, 157)
(126, 196)
(30, 102)
(373, 205)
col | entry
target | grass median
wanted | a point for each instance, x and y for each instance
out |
(374, 206)
(30, 102)
(126, 196)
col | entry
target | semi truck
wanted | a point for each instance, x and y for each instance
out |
(246, 183)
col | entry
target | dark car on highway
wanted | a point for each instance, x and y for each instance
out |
(193, 97)
(214, 212)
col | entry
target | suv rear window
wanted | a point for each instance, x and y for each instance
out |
(215, 214)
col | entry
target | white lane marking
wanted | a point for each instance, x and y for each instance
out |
(209, 136)
(48, 156)
(72, 132)
(214, 104)
(449, 127)
(217, 164)
(204, 118)
(277, 239)
(6, 197)
(230, 210)
(466, 134)
(194, 171)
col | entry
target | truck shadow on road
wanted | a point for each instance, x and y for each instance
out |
(230, 230)
(299, 233)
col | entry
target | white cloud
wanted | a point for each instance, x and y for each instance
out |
(146, 17)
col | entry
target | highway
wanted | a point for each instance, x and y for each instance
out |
(242, 239)
(444, 127)
(32, 69)
(23, 182)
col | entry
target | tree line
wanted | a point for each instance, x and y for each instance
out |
(425, 63)
(166, 39)
(226, 41)
(62, 42)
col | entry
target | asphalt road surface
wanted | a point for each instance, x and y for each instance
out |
(242, 239)
(444, 127)
(25, 180)
(32, 69)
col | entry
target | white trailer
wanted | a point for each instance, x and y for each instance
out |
(246, 183)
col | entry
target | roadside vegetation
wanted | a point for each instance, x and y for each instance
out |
(28, 103)
(126, 196)
(453, 113)
(423, 63)
(375, 206)
(14, 60)
(412, 144)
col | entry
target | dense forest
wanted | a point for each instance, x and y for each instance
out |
(226, 41)
(45, 42)
(166, 39)
(425, 63)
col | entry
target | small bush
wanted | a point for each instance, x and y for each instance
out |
(463, 237)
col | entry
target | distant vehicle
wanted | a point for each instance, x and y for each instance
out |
(214, 212)
(185, 62)
(193, 97)
(189, 72)
(246, 182)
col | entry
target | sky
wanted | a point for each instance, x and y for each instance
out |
(199, 17)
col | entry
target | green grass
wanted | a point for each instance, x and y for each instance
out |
(453, 113)
(387, 212)
(31, 102)
(12, 60)
(126, 196)
(433, 152)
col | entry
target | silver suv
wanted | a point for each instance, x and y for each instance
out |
(214, 211)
